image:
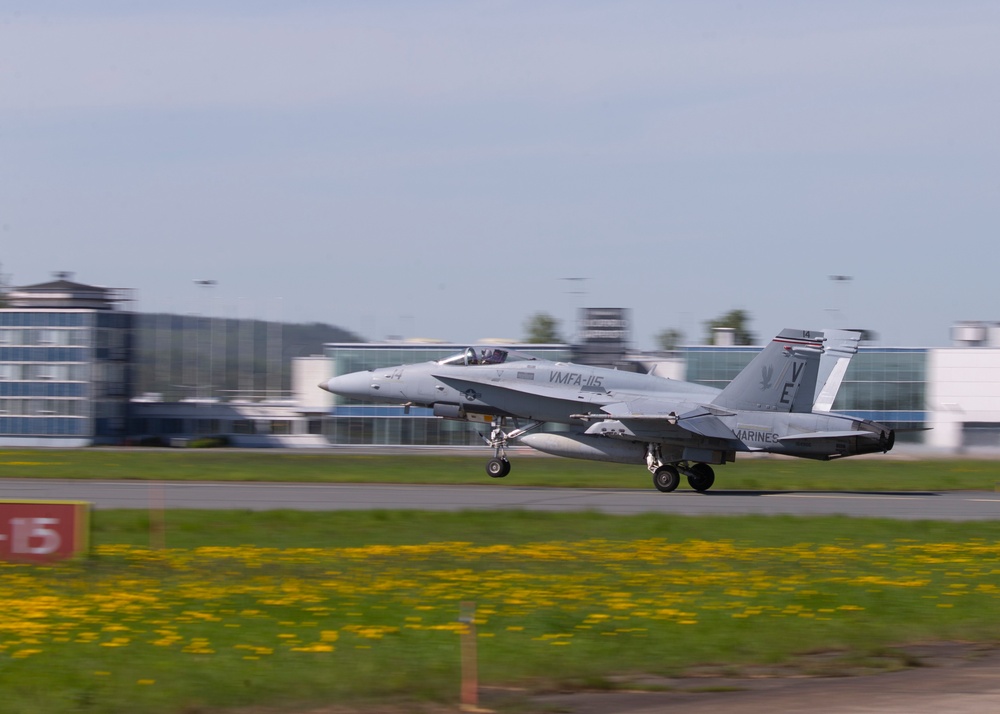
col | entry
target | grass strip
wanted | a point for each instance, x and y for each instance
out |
(298, 609)
(863, 474)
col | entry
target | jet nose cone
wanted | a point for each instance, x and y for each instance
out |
(355, 385)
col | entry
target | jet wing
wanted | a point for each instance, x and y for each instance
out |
(656, 420)
(525, 387)
(707, 425)
(829, 436)
(652, 408)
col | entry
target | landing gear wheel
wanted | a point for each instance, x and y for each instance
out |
(666, 478)
(701, 477)
(498, 468)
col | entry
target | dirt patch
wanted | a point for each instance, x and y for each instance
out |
(956, 677)
(404, 707)
(930, 678)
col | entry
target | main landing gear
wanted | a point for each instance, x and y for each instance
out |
(499, 465)
(667, 476)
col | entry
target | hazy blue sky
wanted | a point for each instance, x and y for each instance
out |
(436, 169)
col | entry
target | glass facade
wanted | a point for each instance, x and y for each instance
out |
(65, 373)
(884, 384)
(191, 426)
(716, 366)
(355, 422)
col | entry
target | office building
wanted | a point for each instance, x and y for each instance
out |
(65, 364)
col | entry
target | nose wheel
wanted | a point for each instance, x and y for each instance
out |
(498, 467)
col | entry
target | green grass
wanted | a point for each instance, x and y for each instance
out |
(292, 610)
(863, 474)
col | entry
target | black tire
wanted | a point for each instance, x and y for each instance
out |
(701, 477)
(666, 478)
(498, 468)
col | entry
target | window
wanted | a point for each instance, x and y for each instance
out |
(206, 426)
(243, 426)
(45, 371)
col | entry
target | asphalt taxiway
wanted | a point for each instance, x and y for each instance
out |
(945, 505)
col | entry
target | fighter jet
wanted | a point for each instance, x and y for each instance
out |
(780, 403)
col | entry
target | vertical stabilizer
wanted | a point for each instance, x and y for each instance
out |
(782, 378)
(838, 348)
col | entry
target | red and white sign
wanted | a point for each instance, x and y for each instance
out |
(43, 531)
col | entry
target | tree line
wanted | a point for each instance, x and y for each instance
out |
(542, 328)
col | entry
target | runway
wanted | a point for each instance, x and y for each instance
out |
(948, 505)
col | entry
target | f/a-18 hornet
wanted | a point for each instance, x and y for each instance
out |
(780, 403)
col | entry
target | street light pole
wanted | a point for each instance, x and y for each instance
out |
(842, 280)
(580, 292)
(208, 284)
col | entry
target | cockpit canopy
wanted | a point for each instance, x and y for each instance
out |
(485, 355)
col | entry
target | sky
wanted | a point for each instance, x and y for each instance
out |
(447, 169)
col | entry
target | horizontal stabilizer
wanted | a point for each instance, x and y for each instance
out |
(707, 425)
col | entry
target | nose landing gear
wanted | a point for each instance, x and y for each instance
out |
(499, 465)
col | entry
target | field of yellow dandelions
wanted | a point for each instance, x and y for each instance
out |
(230, 626)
